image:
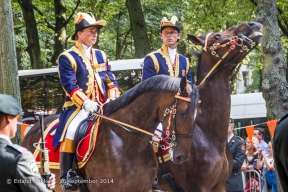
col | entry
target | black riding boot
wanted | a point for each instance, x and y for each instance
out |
(68, 176)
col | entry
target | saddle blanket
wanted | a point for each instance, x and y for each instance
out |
(83, 151)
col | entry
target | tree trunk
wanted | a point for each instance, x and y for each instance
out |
(274, 84)
(139, 28)
(60, 29)
(33, 47)
(9, 80)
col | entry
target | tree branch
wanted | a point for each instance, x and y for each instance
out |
(254, 3)
(74, 10)
(44, 18)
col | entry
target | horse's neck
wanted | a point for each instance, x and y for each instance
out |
(215, 98)
(143, 112)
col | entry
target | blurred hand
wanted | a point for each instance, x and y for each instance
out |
(259, 153)
(110, 99)
(250, 167)
(51, 182)
(264, 153)
(90, 106)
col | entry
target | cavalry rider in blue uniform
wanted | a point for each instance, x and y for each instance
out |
(166, 60)
(88, 82)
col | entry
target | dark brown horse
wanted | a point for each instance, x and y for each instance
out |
(210, 163)
(124, 161)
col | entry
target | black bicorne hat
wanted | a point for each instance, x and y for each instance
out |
(172, 23)
(84, 20)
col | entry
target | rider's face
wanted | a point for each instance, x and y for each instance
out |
(88, 36)
(170, 37)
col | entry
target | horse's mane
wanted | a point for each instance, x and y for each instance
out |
(157, 82)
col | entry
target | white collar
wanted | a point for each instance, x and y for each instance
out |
(6, 138)
(172, 54)
(87, 50)
(229, 138)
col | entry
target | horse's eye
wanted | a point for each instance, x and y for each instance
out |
(217, 36)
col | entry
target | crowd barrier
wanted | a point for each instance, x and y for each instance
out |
(253, 181)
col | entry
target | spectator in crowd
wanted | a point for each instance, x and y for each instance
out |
(237, 147)
(267, 163)
(250, 163)
(259, 134)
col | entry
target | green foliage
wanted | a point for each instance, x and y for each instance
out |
(195, 17)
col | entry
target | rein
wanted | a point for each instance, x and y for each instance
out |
(171, 110)
(233, 42)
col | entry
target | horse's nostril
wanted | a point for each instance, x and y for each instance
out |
(251, 24)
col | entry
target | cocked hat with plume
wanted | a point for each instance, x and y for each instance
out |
(170, 23)
(84, 20)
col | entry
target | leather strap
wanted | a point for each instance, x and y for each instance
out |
(166, 174)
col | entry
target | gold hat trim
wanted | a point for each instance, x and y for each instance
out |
(166, 23)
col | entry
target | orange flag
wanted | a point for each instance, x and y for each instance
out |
(23, 128)
(249, 131)
(272, 125)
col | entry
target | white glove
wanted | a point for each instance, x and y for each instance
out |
(110, 99)
(90, 106)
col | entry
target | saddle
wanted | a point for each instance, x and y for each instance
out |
(84, 142)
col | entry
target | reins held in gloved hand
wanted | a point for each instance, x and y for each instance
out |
(90, 106)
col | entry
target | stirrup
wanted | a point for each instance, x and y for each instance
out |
(155, 184)
(71, 181)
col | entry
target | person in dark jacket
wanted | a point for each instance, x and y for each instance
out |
(237, 148)
(18, 168)
(280, 143)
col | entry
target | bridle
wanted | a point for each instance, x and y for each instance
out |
(237, 40)
(169, 137)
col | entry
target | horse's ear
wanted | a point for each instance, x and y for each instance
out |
(183, 84)
(195, 40)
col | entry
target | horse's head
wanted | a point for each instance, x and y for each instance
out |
(227, 47)
(180, 121)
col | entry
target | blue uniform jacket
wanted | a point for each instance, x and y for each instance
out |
(83, 79)
(158, 62)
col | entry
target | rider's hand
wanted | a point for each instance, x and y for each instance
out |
(51, 182)
(110, 99)
(90, 106)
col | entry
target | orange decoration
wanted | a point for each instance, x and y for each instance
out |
(250, 130)
(23, 128)
(272, 125)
